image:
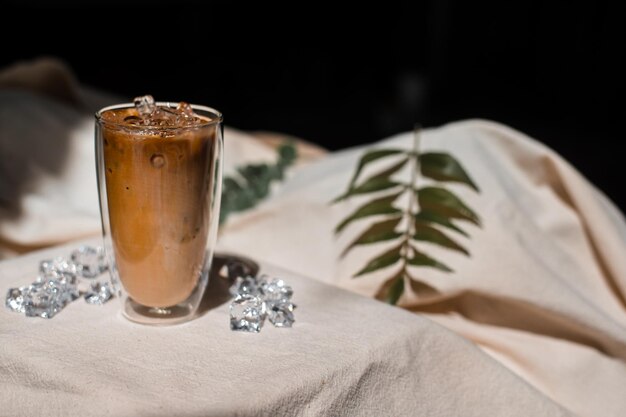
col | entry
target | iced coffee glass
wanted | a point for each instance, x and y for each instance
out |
(159, 182)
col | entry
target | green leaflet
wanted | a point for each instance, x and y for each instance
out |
(368, 157)
(372, 184)
(421, 259)
(392, 290)
(235, 198)
(286, 156)
(430, 234)
(378, 232)
(445, 203)
(258, 178)
(380, 206)
(391, 170)
(253, 183)
(386, 259)
(444, 167)
(383, 292)
(426, 216)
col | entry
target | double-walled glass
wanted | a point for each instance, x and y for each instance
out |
(160, 190)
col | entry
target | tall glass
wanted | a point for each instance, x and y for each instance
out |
(160, 190)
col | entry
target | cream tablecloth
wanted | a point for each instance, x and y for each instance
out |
(346, 355)
(543, 291)
(538, 313)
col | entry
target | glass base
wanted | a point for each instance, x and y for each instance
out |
(160, 316)
(163, 316)
(216, 294)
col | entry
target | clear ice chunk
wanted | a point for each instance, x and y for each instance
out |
(244, 285)
(182, 115)
(280, 314)
(99, 293)
(274, 290)
(57, 267)
(145, 105)
(58, 284)
(153, 116)
(165, 117)
(42, 300)
(247, 313)
(185, 109)
(45, 297)
(16, 299)
(90, 262)
(64, 289)
(186, 115)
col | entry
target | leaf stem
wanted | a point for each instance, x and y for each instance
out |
(416, 168)
(411, 207)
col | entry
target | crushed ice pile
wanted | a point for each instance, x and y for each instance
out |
(258, 298)
(152, 115)
(61, 281)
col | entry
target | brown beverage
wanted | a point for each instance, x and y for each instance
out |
(158, 184)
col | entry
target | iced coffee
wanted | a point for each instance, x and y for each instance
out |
(160, 175)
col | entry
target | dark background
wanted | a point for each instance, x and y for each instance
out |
(554, 70)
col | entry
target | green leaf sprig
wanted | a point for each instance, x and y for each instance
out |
(242, 192)
(429, 215)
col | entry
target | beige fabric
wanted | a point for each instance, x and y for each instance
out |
(543, 293)
(537, 294)
(346, 355)
(543, 290)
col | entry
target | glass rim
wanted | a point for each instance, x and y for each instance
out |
(170, 104)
